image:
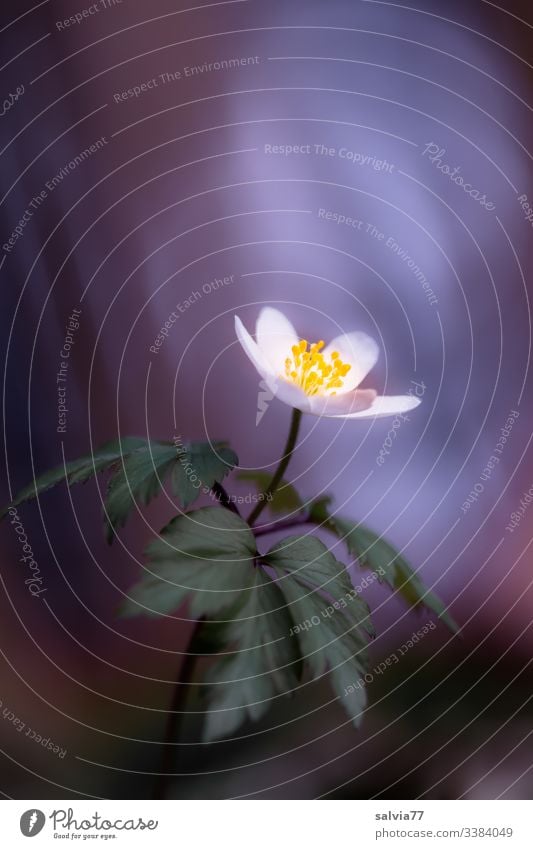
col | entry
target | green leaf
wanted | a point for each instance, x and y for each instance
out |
(141, 477)
(195, 467)
(140, 468)
(200, 464)
(285, 499)
(206, 556)
(331, 636)
(375, 553)
(313, 565)
(265, 664)
(332, 643)
(78, 471)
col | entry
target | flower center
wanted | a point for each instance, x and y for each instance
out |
(309, 369)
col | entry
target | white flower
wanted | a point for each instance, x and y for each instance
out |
(315, 379)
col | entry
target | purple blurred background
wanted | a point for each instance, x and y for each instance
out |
(183, 190)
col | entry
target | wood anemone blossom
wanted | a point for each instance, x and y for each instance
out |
(315, 378)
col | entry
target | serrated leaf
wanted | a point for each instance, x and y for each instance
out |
(285, 499)
(200, 464)
(266, 664)
(331, 637)
(332, 643)
(206, 556)
(140, 468)
(140, 478)
(80, 470)
(194, 466)
(375, 553)
(313, 565)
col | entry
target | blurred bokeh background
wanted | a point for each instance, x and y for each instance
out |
(188, 181)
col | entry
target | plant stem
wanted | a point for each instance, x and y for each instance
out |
(186, 672)
(175, 716)
(282, 525)
(218, 490)
(280, 471)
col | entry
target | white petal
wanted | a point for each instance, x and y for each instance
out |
(358, 349)
(386, 405)
(286, 392)
(252, 349)
(340, 405)
(275, 337)
(291, 394)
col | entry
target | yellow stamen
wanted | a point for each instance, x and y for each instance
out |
(309, 369)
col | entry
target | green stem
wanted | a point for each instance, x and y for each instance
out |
(222, 496)
(175, 715)
(280, 471)
(283, 525)
(186, 673)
